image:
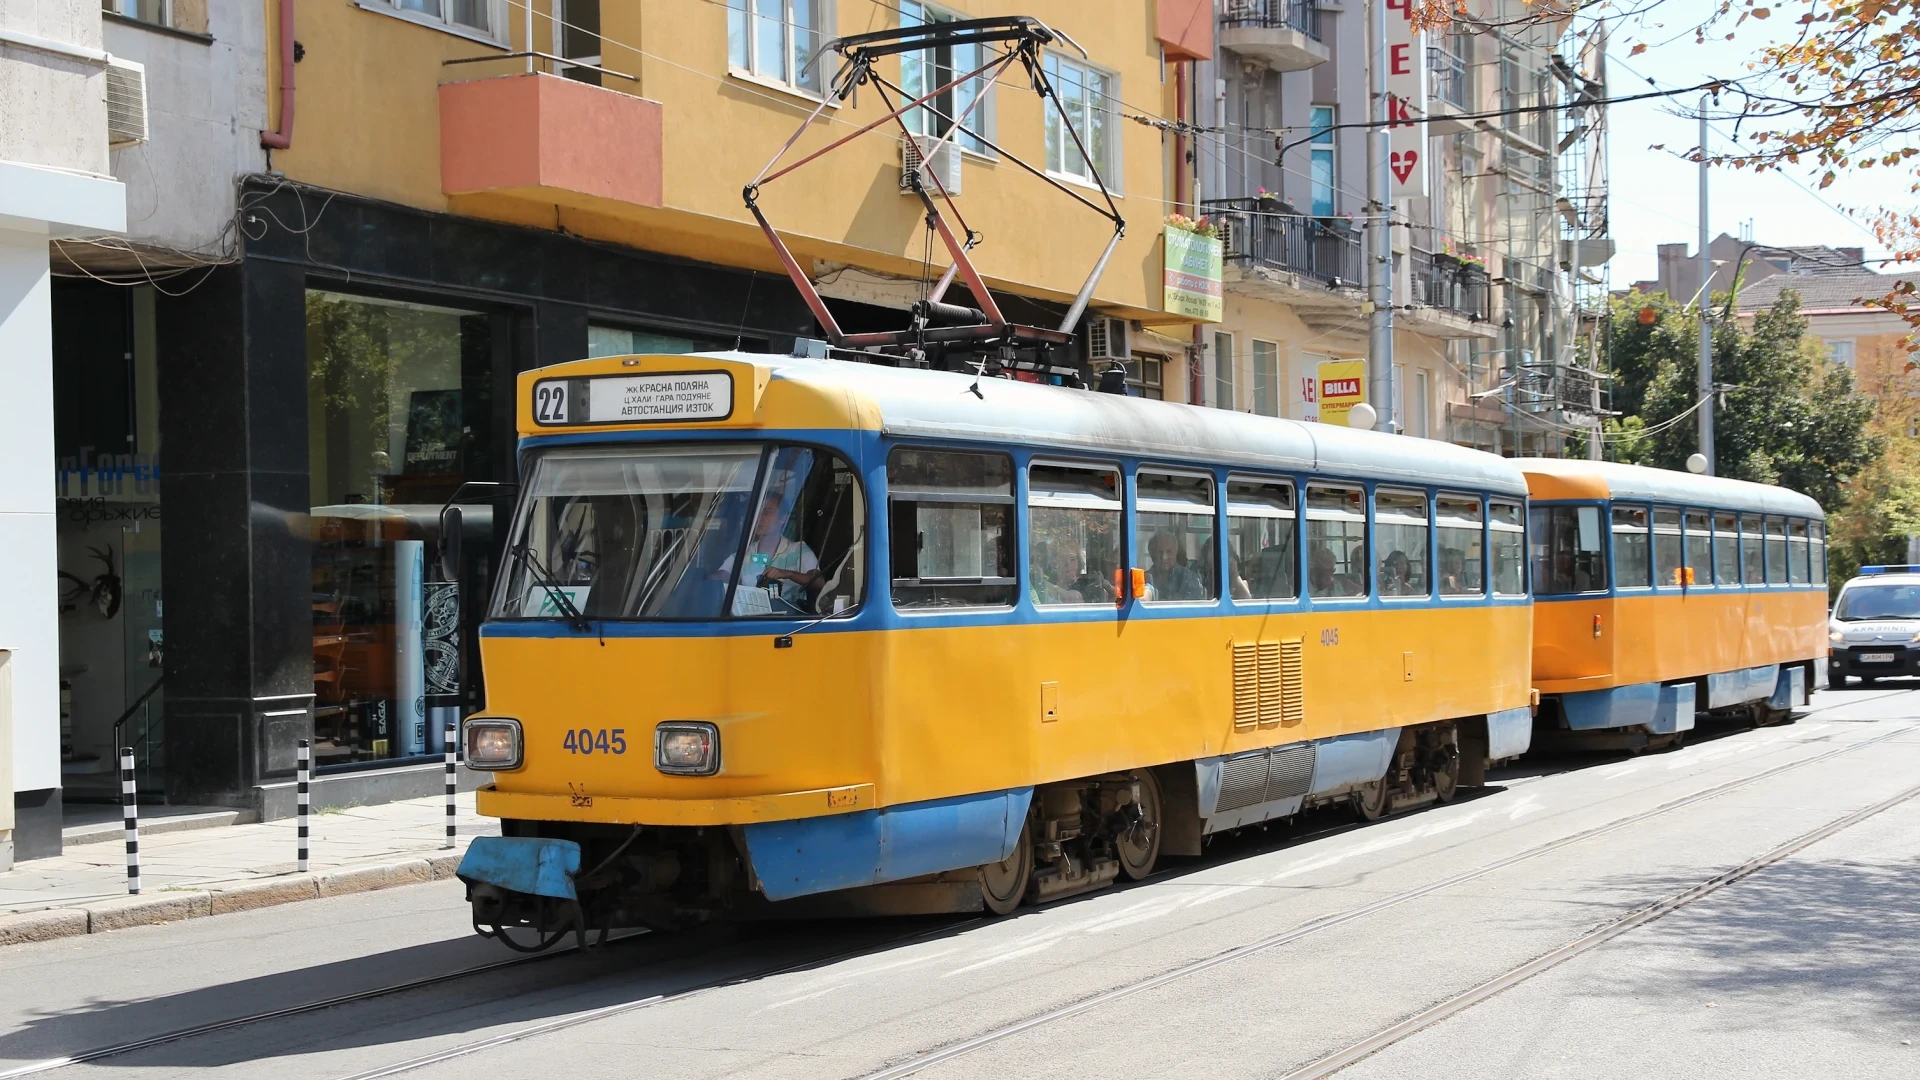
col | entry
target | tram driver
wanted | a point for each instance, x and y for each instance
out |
(783, 575)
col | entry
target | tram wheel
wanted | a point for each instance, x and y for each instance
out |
(1003, 885)
(1139, 846)
(1447, 784)
(1370, 802)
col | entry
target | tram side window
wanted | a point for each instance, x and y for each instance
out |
(1508, 538)
(950, 515)
(1818, 533)
(1753, 558)
(1173, 524)
(1336, 541)
(1776, 551)
(1400, 530)
(1460, 528)
(1699, 549)
(1668, 550)
(1568, 556)
(1632, 548)
(1726, 549)
(806, 553)
(1260, 540)
(1797, 551)
(1074, 520)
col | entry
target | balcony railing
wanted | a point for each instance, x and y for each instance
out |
(1301, 15)
(1449, 78)
(1441, 281)
(1265, 233)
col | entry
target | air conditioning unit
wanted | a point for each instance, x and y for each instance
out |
(126, 103)
(1107, 339)
(942, 161)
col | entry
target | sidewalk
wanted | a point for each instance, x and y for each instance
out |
(186, 875)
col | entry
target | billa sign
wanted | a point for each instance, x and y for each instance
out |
(1192, 266)
(1342, 385)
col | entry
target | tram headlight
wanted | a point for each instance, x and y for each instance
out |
(493, 743)
(686, 748)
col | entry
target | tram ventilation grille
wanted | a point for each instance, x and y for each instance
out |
(1246, 685)
(1290, 772)
(1268, 684)
(1293, 682)
(1243, 781)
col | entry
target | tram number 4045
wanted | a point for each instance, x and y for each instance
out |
(1330, 636)
(589, 741)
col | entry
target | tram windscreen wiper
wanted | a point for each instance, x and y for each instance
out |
(524, 554)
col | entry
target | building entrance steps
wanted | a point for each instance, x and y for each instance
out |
(212, 871)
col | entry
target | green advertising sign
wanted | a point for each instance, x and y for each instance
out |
(1192, 275)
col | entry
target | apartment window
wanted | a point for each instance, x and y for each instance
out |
(1223, 396)
(579, 25)
(1336, 541)
(1260, 540)
(1320, 165)
(1073, 513)
(1632, 553)
(471, 16)
(951, 519)
(1400, 523)
(1145, 375)
(1266, 378)
(1841, 352)
(1086, 96)
(1173, 525)
(1418, 423)
(776, 39)
(923, 71)
(1460, 530)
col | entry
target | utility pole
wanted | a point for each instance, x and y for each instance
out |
(1706, 303)
(1379, 247)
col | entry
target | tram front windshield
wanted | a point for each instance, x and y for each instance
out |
(659, 533)
(1879, 602)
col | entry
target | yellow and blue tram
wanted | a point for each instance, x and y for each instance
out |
(774, 628)
(1660, 594)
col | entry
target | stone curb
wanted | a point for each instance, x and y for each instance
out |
(175, 905)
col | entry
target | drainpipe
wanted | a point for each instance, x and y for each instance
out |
(281, 137)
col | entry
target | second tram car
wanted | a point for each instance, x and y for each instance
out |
(1661, 594)
(771, 629)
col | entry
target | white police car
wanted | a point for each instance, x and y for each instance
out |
(1875, 627)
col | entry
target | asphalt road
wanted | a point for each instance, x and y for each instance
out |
(1505, 935)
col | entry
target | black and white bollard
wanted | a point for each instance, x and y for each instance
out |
(301, 793)
(130, 810)
(453, 779)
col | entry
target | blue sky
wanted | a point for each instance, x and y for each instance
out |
(1655, 192)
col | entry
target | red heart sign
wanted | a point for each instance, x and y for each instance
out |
(1402, 163)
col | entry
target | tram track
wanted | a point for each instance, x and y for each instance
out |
(1117, 993)
(934, 1057)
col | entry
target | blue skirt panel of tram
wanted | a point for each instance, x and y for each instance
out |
(1669, 709)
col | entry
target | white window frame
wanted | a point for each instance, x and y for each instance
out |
(744, 12)
(1834, 349)
(499, 36)
(982, 117)
(1110, 97)
(1267, 386)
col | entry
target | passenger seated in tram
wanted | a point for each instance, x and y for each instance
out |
(1453, 571)
(1237, 585)
(1168, 579)
(1086, 587)
(1323, 578)
(1396, 575)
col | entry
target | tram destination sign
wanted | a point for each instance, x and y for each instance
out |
(671, 398)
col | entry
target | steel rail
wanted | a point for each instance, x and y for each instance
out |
(1285, 937)
(1467, 999)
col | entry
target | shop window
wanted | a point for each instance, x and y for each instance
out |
(1753, 558)
(777, 40)
(1699, 549)
(1336, 541)
(1776, 551)
(1726, 549)
(1261, 557)
(1632, 548)
(1460, 529)
(621, 341)
(951, 520)
(1568, 553)
(1507, 534)
(399, 406)
(1669, 556)
(1400, 529)
(1145, 373)
(1073, 555)
(1173, 524)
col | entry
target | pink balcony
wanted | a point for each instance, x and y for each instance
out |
(1185, 28)
(550, 140)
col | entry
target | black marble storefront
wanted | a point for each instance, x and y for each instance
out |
(234, 417)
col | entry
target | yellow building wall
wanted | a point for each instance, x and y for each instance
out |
(368, 123)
